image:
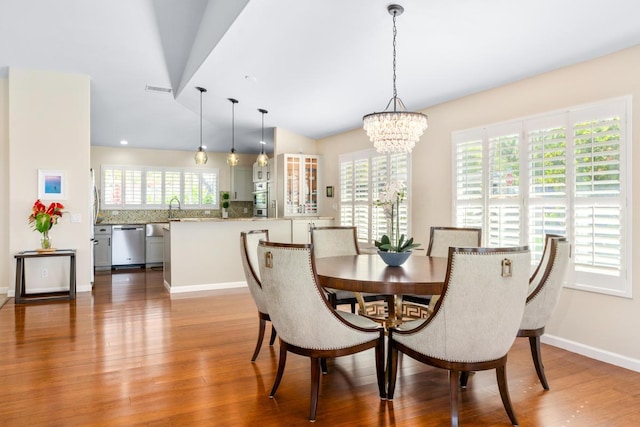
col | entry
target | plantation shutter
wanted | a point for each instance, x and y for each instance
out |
(548, 198)
(599, 232)
(153, 183)
(469, 178)
(132, 187)
(564, 173)
(503, 198)
(363, 176)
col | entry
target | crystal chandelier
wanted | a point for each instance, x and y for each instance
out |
(397, 130)
(201, 155)
(232, 157)
(262, 159)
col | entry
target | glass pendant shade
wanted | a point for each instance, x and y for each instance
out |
(262, 159)
(397, 130)
(232, 157)
(201, 155)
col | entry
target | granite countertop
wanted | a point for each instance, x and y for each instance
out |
(246, 219)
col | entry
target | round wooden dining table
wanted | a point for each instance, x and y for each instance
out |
(419, 275)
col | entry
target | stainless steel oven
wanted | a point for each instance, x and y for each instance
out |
(260, 199)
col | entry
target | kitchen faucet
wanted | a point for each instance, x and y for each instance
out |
(174, 198)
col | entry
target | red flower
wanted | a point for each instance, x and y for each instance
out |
(42, 217)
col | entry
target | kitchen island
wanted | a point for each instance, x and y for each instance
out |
(204, 253)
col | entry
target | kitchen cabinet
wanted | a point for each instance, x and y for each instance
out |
(301, 228)
(242, 183)
(102, 247)
(262, 173)
(298, 185)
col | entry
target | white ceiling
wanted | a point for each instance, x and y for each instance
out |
(316, 66)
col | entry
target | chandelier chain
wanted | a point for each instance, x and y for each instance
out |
(395, 33)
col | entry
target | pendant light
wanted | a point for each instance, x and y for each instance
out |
(232, 157)
(262, 159)
(201, 155)
(397, 130)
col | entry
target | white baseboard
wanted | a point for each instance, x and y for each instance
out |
(204, 287)
(592, 352)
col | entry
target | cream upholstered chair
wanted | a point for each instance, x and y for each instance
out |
(544, 292)
(307, 324)
(249, 254)
(462, 335)
(440, 239)
(338, 241)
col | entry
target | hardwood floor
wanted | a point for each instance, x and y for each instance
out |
(129, 354)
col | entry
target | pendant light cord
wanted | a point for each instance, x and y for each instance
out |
(395, 33)
(200, 119)
(233, 126)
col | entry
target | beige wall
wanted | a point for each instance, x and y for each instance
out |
(5, 279)
(599, 325)
(49, 128)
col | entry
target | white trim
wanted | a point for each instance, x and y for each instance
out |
(203, 287)
(592, 352)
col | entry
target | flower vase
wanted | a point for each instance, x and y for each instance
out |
(45, 241)
(394, 259)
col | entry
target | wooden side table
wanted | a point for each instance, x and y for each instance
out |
(22, 296)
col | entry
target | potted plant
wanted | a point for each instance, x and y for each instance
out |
(43, 218)
(394, 249)
(225, 204)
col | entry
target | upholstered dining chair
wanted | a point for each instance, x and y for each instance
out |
(307, 324)
(338, 241)
(544, 291)
(440, 239)
(249, 254)
(462, 335)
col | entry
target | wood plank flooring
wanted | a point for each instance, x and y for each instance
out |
(130, 354)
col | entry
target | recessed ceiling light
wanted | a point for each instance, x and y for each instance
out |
(124, 142)
(150, 88)
(250, 78)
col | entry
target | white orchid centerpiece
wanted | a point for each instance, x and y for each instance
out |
(390, 200)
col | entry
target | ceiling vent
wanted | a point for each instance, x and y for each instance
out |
(150, 88)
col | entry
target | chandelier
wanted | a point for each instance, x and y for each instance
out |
(262, 159)
(397, 130)
(232, 157)
(201, 155)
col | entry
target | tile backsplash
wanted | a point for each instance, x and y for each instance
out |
(139, 216)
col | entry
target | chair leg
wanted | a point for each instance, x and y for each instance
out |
(323, 365)
(380, 368)
(281, 363)
(501, 374)
(273, 335)
(534, 343)
(261, 328)
(464, 378)
(454, 380)
(392, 370)
(315, 387)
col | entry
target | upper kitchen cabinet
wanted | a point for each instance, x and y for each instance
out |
(242, 183)
(298, 185)
(263, 173)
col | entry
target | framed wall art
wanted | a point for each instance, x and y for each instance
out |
(330, 191)
(51, 185)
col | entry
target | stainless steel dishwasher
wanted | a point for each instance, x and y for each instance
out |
(127, 245)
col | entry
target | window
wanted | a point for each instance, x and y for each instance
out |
(363, 176)
(137, 187)
(563, 173)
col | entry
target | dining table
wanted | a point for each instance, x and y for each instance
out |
(368, 273)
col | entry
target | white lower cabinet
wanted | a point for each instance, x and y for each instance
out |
(301, 228)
